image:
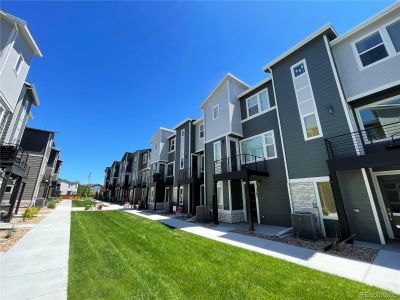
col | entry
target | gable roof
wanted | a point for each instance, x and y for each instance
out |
(326, 28)
(252, 88)
(183, 122)
(68, 182)
(226, 77)
(158, 131)
(23, 29)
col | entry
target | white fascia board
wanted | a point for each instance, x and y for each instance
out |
(252, 88)
(366, 23)
(299, 45)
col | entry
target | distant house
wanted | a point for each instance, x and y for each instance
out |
(68, 187)
(95, 188)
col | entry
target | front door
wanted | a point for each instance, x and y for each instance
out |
(253, 201)
(390, 189)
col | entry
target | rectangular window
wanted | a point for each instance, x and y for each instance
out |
(257, 103)
(201, 131)
(220, 195)
(170, 170)
(145, 158)
(172, 145)
(260, 146)
(393, 31)
(217, 151)
(181, 195)
(371, 49)
(182, 150)
(215, 112)
(327, 200)
(175, 194)
(305, 101)
(18, 64)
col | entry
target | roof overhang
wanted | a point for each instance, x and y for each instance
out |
(23, 29)
(226, 77)
(366, 23)
(31, 88)
(257, 85)
(158, 132)
(199, 120)
(327, 28)
(183, 122)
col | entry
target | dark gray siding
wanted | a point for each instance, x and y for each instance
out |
(34, 162)
(178, 148)
(255, 91)
(273, 198)
(307, 158)
(361, 223)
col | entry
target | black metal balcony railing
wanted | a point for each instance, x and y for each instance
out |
(240, 162)
(358, 143)
(11, 153)
(190, 173)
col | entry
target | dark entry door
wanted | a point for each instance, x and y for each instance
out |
(234, 158)
(390, 188)
(253, 202)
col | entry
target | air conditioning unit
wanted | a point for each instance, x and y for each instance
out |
(202, 214)
(305, 225)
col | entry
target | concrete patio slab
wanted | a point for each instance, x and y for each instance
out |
(384, 272)
(37, 266)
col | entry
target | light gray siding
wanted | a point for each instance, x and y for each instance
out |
(199, 143)
(374, 77)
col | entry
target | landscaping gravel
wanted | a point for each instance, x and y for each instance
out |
(346, 250)
(6, 244)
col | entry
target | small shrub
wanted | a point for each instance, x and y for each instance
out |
(10, 232)
(87, 207)
(51, 204)
(30, 212)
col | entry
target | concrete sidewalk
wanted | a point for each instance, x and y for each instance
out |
(384, 272)
(37, 266)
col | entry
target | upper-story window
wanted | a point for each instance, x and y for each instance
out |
(182, 150)
(172, 145)
(305, 101)
(18, 64)
(257, 103)
(376, 46)
(215, 112)
(170, 169)
(145, 158)
(261, 146)
(201, 131)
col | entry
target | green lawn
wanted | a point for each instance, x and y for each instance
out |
(82, 203)
(116, 255)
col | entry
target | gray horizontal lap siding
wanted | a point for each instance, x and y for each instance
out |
(307, 158)
(243, 106)
(185, 126)
(34, 163)
(273, 195)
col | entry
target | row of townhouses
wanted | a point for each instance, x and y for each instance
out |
(320, 134)
(29, 159)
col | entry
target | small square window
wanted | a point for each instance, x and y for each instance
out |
(298, 70)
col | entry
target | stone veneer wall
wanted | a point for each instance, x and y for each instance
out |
(304, 199)
(226, 216)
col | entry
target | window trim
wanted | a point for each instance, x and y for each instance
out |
(18, 70)
(173, 169)
(306, 73)
(213, 117)
(220, 148)
(144, 159)
(180, 200)
(182, 149)
(387, 42)
(200, 131)
(257, 95)
(170, 143)
(262, 135)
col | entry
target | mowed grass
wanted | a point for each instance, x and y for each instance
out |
(82, 203)
(116, 255)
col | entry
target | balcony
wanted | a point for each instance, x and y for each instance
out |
(189, 174)
(372, 147)
(240, 166)
(13, 158)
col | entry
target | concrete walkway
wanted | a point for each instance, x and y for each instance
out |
(384, 272)
(37, 266)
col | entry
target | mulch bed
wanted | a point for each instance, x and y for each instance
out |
(6, 244)
(346, 250)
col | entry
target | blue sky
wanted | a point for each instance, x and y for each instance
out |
(113, 72)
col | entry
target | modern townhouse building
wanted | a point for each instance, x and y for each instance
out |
(68, 187)
(140, 177)
(113, 185)
(50, 187)
(158, 166)
(187, 149)
(107, 184)
(17, 49)
(366, 162)
(39, 146)
(124, 177)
